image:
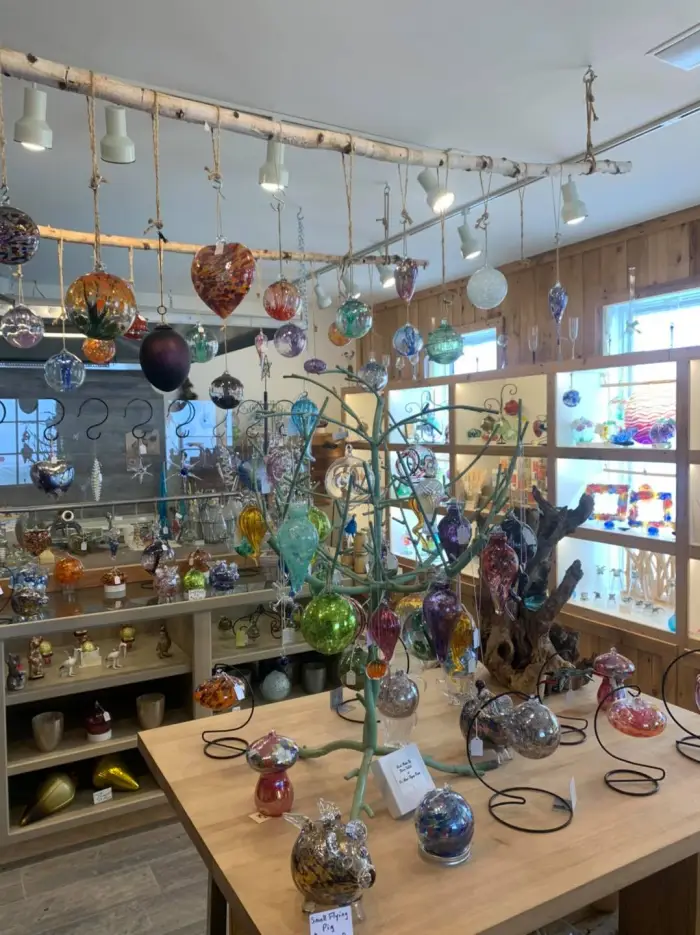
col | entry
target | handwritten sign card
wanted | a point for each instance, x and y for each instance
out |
(403, 779)
(331, 922)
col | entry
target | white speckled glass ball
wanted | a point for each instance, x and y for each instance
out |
(487, 287)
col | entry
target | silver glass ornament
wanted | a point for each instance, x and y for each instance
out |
(533, 730)
(374, 374)
(289, 340)
(398, 695)
(64, 372)
(405, 276)
(226, 391)
(315, 365)
(54, 476)
(491, 723)
(21, 328)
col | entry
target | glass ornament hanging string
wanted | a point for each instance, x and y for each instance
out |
(556, 207)
(96, 179)
(4, 191)
(302, 274)
(347, 178)
(156, 223)
(217, 182)
(59, 251)
(482, 222)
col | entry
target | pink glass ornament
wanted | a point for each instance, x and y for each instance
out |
(281, 300)
(384, 627)
(637, 717)
(406, 274)
(261, 342)
(499, 567)
(613, 668)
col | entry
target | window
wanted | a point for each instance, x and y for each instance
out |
(200, 429)
(22, 437)
(479, 353)
(669, 320)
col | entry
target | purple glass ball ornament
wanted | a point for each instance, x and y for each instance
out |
(226, 391)
(571, 398)
(441, 611)
(406, 275)
(290, 340)
(21, 328)
(164, 356)
(558, 299)
(19, 235)
(315, 365)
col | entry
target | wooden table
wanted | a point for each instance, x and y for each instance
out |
(646, 848)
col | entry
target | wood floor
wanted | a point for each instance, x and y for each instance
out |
(149, 883)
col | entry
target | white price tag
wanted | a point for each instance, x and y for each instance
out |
(331, 922)
(471, 664)
(142, 449)
(219, 248)
(106, 717)
(83, 546)
(165, 531)
(196, 594)
(350, 679)
(476, 746)
(572, 794)
(116, 580)
(258, 818)
(104, 795)
(288, 635)
(179, 516)
(476, 639)
(464, 534)
(240, 692)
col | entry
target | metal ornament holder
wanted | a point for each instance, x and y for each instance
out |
(567, 728)
(691, 741)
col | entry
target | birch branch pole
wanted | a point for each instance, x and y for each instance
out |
(78, 80)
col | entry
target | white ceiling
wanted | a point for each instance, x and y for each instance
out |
(503, 78)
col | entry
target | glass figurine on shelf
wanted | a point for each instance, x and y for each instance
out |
(633, 595)
(599, 582)
(614, 587)
(582, 431)
(533, 341)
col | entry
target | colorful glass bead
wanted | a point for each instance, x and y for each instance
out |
(282, 300)
(354, 318)
(222, 275)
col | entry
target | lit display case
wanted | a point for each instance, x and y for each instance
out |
(501, 397)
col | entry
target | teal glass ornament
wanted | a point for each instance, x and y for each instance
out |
(354, 319)
(407, 341)
(304, 415)
(203, 346)
(444, 344)
(297, 539)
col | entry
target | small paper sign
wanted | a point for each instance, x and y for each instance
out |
(471, 664)
(258, 818)
(240, 691)
(331, 922)
(116, 580)
(288, 636)
(476, 746)
(219, 248)
(104, 795)
(476, 639)
(142, 449)
(403, 779)
(572, 794)
(350, 678)
(83, 546)
(197, 594)
(336, 697)
(464, 534)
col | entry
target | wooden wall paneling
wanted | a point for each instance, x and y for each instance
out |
(544, 279)
(669, 255)
(694, 247)
(613, 271)
(591, 339)
(571, 275)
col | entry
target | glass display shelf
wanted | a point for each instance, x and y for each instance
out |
(502, 397)
(225, 652)
(630, 407)
(406, 403)
(477, 483)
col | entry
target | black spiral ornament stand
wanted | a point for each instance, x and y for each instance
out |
(571, 734)
(691, 741)
(625, 781)
(512, 799)
(230, 746)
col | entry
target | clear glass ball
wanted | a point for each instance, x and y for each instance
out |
(289, 340)
(21, 328)
(226, 391)
(374, 374)
(487, 287)
(407, 341)
(354, 319)
(64, 372)
(203, 345)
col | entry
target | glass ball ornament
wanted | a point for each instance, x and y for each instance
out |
(444, 823)
(304, 415)
(533, 730)
(202, 344)
(101, 305)
(98, 352)
(444, 344)
(374, 374)
(290, 340)
(407, 341)
(335, 337)
(571, 398)
(155, 554)
(354, 318)
(321, 521)
(19, 235)
(165, 358)
(64, 372)
(68, 571)
(329, 623)
(282, 300)
(226, 391)
(636, 717)
(487, 287)
(21, 328)
(398, 695)
(344, 471)
(315, 365)
(351, 666)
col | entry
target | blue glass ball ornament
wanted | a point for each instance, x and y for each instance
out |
(64, 372)
(374, 374)
(304, 415)
(289, 340)
(444, 344)
(354, 318)
(444, 823)
(571, 398)
(407, 341)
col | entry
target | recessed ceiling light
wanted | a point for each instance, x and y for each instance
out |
(681, 51)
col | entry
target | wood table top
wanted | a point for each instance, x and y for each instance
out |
(514, 882)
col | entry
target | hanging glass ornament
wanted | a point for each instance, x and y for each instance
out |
(533, 730)
(139, 327)
(321, 522)
(290, 340)
(101, 305)
(416, 637)
(165, 358)
(407, 341)
(444, 344)
(454, 532)
(19, 235)
(464, 643)
(558, 299)
(499, 568)
(571, 398)
(374, 374)
(98, 352)
(329, 623)
(636, 717)
(354, 318)
(315, 365)
(398, 696)
(405, 276)
(335, 336)
(252, 525)
(304, 415)
(521, 537)
(21, 328)
(281, 300)
(487, 287)
(222, 275)
(429, 492)
(441, 611)
(222, 691)
(226, 391)
(351, 666)
(64, 372)
(298, 540)
(261, 343)
(385, 628)
(279, 463)
(203, 346)
(344, 471)
(408, 604)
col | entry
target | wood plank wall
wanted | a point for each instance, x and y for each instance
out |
(665, 252)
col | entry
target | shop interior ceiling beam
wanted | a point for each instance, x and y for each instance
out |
(78, 80)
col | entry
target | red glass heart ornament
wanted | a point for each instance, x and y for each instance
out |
(222, 276)
(384, 627)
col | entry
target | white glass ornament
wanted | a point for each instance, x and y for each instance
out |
(487, 287)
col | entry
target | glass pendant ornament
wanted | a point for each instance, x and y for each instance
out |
(344, 471)
(487, 287)
(226, 391)
(491, 719)
(407, 341)
(385, 628)
(290, 340)
(335, 337)
(351, 666)
(354, 318)
(533, 730)
(298, 540)
(321, 522)
(329, 623)
(444, 344)
(155, 554)
(374, 374)
(464, 644)
(251, 524)
(261, 343)
(398, 695)
(442, 610)
(499, 568)
(98, 352)
(315, 365)
(138, 328)
(21, 328)
(64, 372)
(454, 532)
(405, 277)
(279, 463)
(444, 823)
(282, 300)
(101, 305)
(222, 275)
(407, 605)
(557, 299)
(636, 717)
(165, 358)
(521, 537)
(304, 415)
(416, 637)
(19, 235)
(429, 494)
(203, 345)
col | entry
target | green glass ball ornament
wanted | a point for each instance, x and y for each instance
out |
(321, 522)
(444, 344)
(354, 319)
(329, 623)
(351, 666)
(203, 345)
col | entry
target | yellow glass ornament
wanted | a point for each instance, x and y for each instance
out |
(56, 792)
(407, 605)
(252, 526)
(110, 772)
(464, 638)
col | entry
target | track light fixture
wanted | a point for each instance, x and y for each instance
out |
(348, 285)
(273, 176)
(322, 298)
(32, 130)
(573, 210)
(115, 145)
(471, 248)
(438, 198)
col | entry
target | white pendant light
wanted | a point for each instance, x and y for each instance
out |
(322, 297)
(387, 276)
(349, 288)
(273, 176)
(115, 145)
(573, 210)
(471, 248)
(32, 130)
(439, 199)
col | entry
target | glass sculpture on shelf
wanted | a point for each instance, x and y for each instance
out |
(614, 669)
(636, 717)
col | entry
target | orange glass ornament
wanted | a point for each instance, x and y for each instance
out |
(200, 559)
(101, 305)
(221, 692)
(68, 571)
(99, 352)
(376, 669)
(335, 337)
(222, 275)
(114, 577)
(37, 541)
